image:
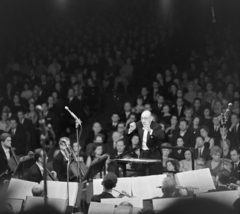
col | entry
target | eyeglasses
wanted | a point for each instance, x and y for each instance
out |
(145, 118)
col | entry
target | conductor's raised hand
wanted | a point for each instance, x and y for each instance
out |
(132, 127)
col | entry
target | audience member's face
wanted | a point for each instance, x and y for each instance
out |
(216, 157)
(165, 152)
(13, 124)
(99, 150)
(187, 155)
(179, 102)
(223, 131)
(174, 120)
(170, 166)
(220, 95)
(200, 95)
(120, 128)
(183, 126)
(135, 140)
(160, 100)
(165, 109)
(127, 107)
(116, 136)
(64, 144)
(200, 164)
(180, 142)
(147, 107)
(76, 147)
(115, 118)
(234, 119)
(179, 93)
(120, 146)
(188, 113)
(234, 156)
(98, 140)
(139, 101)
(50, 100)
(209, 87)
(206, 113)
(199, 142)
(70, 93)
(132, 118)
(144, 92)
(16, 99)
(8, 142)
(196, 121)
(4, 116)
(203, 133)
(236, 104)
(197, 104)
(20, 115)
(97, 127)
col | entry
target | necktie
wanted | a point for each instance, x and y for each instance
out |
(179, 110)
(13, 132)
(199, 153)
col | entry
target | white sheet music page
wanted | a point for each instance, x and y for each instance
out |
(99, 208)
(136, 202)
(20, 189)
(205, 180)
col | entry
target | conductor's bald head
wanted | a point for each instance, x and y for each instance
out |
(146, 117)
(37, 190)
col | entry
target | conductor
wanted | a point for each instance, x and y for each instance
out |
(151, 136)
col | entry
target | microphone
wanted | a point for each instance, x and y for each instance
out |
(73, 115)
(213, 16)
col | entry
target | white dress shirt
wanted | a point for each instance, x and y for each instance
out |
(144, 141)
(7, 152)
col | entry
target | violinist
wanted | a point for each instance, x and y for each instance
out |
(60, 160)
(35, 173)
(5, 154)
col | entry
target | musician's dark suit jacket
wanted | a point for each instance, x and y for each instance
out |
(235, 173)
(154, 140)
(97, 198)
(60, 167)
(233, 136)
(19, 140)
(3, 161)
(205, 154)
(188, 137)
(34, 174)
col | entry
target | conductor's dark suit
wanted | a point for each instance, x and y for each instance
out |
(34, 174)
(153, 143)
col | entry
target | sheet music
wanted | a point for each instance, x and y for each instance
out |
(58, 190)
(125, 210)
(16, 204)
(205, 180)
(20, 189)
(58, 204)
(145, 187)
(123, 184)
(100, 208)
(223, 197)
(136, 202)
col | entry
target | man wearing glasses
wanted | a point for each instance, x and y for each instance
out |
(151, 136)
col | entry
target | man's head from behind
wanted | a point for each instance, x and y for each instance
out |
(223, 177)
(168, 186)
(109, 181)
(38, 190)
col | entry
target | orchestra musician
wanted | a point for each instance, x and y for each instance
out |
(5, 154)
(151, 135)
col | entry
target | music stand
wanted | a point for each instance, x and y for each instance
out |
(23, 167)
(96, 167)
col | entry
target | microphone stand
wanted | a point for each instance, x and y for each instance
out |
(68, 166)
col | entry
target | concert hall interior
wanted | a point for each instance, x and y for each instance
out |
(119, 106)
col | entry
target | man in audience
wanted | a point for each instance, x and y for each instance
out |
(215, 129)
(235, 173)
(35, 173)
(127, 111)
(234, 131)
(201, 151)
(108, 183)
(200, 163)
(179, 109)
(112, 141)
(151, 135)
(18, 137)
(119, 150)
(110, 127)
(158, 108)
(188, 137)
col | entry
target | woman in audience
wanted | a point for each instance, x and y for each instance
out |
(215, 165)
(191, 94)
(235, 108)
(178, 154)
(195, 126)
(138, 109)
(188, 115)
(186, 164)
(31, 114)
(225, 146)
(4, 123)
(207, 118)
(134, 144)
(165, 154)
(26, 93)
(97, 152)
(96, 129)
(197, 107)
(172, 127)
(208, 141)
(210, 95)
(166, 115)
(173, 92)
(172, 166)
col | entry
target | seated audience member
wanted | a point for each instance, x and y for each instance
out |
(179, 109)
(112, 140)
(99, 138)
(210, 95)
(200, 163)
(35, 173)
(222, 180)
(4, 123)
(173, 126)
(108, 183)
(185, 133)
(31, 114)
(235, 108)
(195, 126)
(119, 150)
(138, 109)
(197, 107)
(148, 107)
(208, 141)
(97, 152)
(172, 166)
(207, 118)
(225, 146)
(178, 154)
(112, 126)
(215, 165)
(188, 115)
(38, 190)
(127, 111)
(158, 108)
(225, 134)
(191, 94)
(215, 130)
(165, 154)
(132, 118)
(80, 154)
(201, 151)
(135, 143)
(235, 173)
(186, 164)
(166, 117)
(234, 131)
